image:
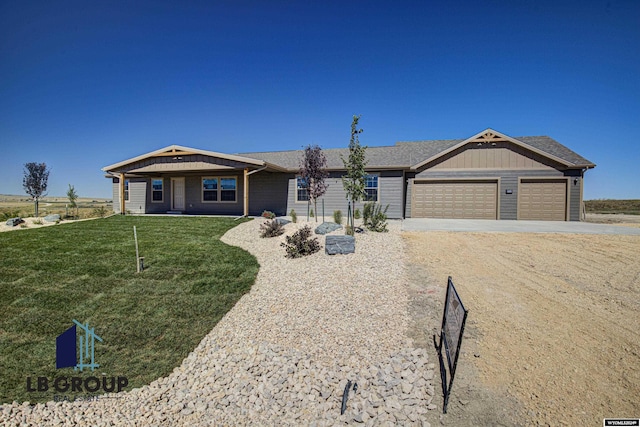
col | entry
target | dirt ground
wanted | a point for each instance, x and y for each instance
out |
(553, 331)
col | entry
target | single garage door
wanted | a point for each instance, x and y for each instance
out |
(544, 200)
(455, 199)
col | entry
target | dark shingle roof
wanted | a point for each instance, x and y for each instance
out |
(404, 155)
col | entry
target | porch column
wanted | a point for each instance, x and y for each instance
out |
(122, 208)
(246, 192)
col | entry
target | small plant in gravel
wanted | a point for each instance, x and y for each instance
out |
(357, 214)
(294, 216)
(337, 217)
(374, 217)
(300, 244)
(268, 214)
(311, 215)
(38, 222)
(100, 211)
(271, 228)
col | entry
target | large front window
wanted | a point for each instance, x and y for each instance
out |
(302, 192)
(219, 189)
(157, 186)
(371, 188)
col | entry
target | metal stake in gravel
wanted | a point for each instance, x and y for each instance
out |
(453, 320)
(345, 396)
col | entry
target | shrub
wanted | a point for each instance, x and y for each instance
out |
(374, 218)
(294, 216)
(357, 214)
(311, 213)
(100, 211)
(271, 228)
(268, 214)
(38, 222)
(337, 217)
(300, 244)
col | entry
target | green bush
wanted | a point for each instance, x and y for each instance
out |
(374, 218)
(38, 221)
(300, 244)
(311, 213)
(337, 217)
(268, 214)
(271, 228)
(356, 214)
(294, 216)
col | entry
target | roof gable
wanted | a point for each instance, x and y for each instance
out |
(490, 136)
(177, 151)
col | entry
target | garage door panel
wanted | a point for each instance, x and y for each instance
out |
(467, 199)
(544, 200)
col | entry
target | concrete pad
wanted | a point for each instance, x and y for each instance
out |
(510, 226)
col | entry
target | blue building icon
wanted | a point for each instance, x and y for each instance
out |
(67, 350)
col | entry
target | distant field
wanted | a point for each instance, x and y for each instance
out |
(22, 206)
(606, 206)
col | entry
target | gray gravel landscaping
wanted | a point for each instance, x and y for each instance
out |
(284, 353)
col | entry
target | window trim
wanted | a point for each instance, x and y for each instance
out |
(297, 190)
(377, 198)
(161, 190)
(219, 190)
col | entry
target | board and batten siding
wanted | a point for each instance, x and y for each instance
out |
(390, 191)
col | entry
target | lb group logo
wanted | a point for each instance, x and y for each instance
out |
(67, 351)
(76, 348)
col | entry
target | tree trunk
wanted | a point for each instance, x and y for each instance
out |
(35, 201)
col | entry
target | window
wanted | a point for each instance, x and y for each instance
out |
(371, 188)
(126, 190)
(157, 192)
(302, 193)
(228, 189)
(209, 189)
(219, 189)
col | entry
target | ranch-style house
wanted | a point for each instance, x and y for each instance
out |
(487, 176)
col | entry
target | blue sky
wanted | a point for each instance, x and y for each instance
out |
(85, 84)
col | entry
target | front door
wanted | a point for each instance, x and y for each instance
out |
(177, 194)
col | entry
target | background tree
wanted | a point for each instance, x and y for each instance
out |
(35, 180)
(73, 196)
(313, 172)
(353, 181)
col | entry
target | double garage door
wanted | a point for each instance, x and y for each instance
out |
(537, 199)
(455, 199)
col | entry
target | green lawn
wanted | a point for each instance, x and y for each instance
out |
(86, 271)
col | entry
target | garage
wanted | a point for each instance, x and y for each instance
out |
(455, 199)
(543, 200)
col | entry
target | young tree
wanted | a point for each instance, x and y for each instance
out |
(354, 180)
(73, 196)
(313, 171)
(35, 180)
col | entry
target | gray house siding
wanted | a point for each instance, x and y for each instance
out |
(390, 191)
(193, 196)
(268, 191)
(137, 196)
